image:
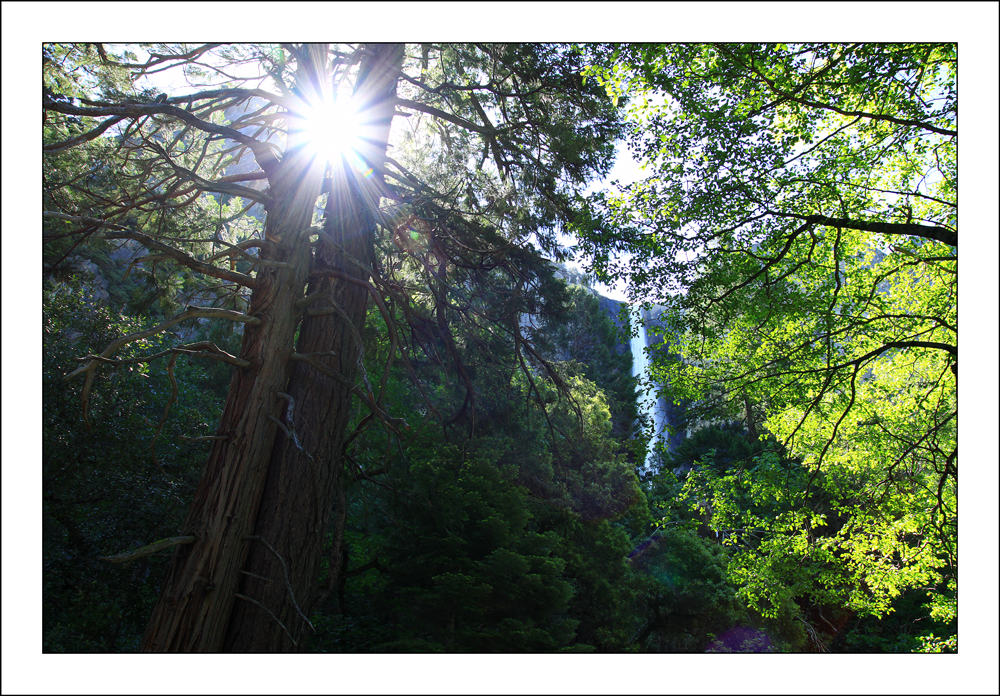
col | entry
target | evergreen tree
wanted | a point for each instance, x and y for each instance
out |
(417, 240)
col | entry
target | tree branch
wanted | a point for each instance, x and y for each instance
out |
(788, 245)
(468, 125)
(148, 549)
(938, 234)
(199, 349)
(155, 245)
(217, 186)
(263, 152)
(89, 135)
(950, 349)
(189, 313)
(365, 568)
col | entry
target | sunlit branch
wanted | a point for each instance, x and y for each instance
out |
(490, 86)
(444, 115)
(89, 135)
(263, 152)
(155, 58)
(218, 186)
(938, 234)
(189, 313)
(790, 96)
(238, 250)
(154, 245)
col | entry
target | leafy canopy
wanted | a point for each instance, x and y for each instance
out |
(800, 224)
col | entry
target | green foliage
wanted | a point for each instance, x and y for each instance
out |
(705, 496)
(505, 538)
(915, 624)
(800, 223)
(102, 491)
(467, 572)
(608, 593)
(783, 557)
(589, 340)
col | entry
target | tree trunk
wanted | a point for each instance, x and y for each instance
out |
(192, 613)
(259, 484)
(197, 598)
(307, 463)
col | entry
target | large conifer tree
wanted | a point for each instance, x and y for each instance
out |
(507, 133)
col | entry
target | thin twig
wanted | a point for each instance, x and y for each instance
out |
(254, 601)
(254, 575)
(288, 582)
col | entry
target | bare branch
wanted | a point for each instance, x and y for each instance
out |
(288, 582)
(148, 549)
(269, 613)
(189, 313)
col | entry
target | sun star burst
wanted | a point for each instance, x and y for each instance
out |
(332, 128)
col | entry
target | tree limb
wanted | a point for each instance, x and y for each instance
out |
(938, 234)
(148, 549)
(89, 135)
(217, 186)
(199, 349)
(263, 152)
(468, 125)
(189, 313)
(155, 245)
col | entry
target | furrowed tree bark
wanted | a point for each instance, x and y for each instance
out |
(306, 465)
(197, 598)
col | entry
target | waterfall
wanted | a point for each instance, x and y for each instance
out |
(640, 368)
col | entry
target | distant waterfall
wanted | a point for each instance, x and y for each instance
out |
(640, 368)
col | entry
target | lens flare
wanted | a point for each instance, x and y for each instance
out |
(333, 129)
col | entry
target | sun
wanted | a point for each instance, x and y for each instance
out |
(333, 129)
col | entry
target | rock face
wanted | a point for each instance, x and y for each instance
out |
(664, 413)
(92, 281)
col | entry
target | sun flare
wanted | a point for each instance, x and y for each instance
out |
(333, 129)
